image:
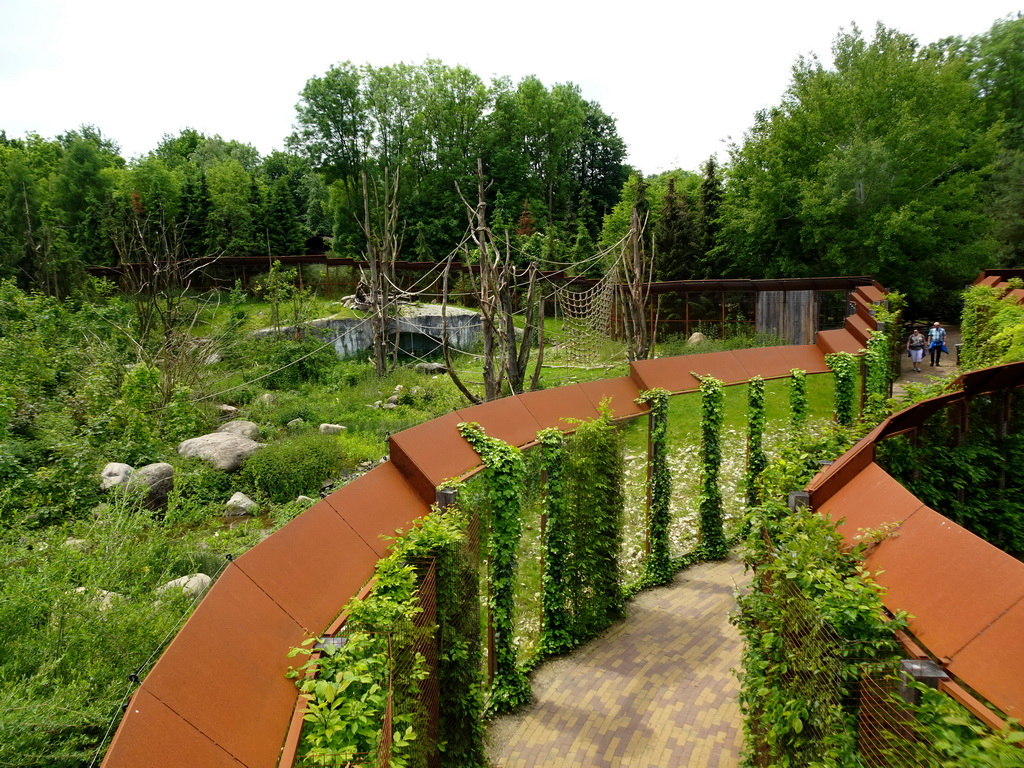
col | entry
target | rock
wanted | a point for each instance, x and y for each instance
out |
(696, 338)
(79, 545)
(295, 423)
(265, 399)
(212, 359)
(399, 388)
(332, 429)
(192, 585)
(431, 368)
(221, 450)
(226, 411)
(156, 481)
(377, 404)
(393, 400)
(240, 504)
(304, 500)
(389, 406)
(249, 429)
(102, 598)
(115, 474)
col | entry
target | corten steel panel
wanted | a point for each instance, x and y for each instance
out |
(991, 280)
(831, 479)
(226, 670)
(722, 365)
(858, 328)
(1017, 294)
(435, 450)
(312, 565)
(153, 736)
(551, 407)
(806, 357)
(671, 373)
(506, 419)
(766, 362)
(992, 379)
(917, 414)
(993, 664)
(378, 503)
(869, 500)
(953, 583)
(871, 292)
(840, 340)
(621, 394)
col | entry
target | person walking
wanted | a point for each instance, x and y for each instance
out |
(915, 347)
(936, 343)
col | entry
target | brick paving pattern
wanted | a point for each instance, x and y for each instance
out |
(657, 689)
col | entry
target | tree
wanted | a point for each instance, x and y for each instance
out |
(706, 223)
(875, 167)
(676, 249)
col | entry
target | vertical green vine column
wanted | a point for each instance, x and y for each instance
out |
(556, 636)
(844, 366)
(756, 458)
(877, 379)
(799, 409)
(659, 569)
(712, 535)
(505, 479)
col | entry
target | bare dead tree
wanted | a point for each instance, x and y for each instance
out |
(500, 288)
(383, 245)
(635, 269)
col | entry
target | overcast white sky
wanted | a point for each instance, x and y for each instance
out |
(681, 78)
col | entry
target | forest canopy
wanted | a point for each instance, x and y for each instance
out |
(897, 159)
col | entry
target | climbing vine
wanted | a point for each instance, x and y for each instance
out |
(810, 609)
(712, 536)
(659, 568)
(844, 366)
(357, 682)
(756, 457)
(505, 478)
(876, 385)
(556, 636)
(595, 500)
(799, 408)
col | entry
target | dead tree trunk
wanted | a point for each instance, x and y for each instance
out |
(383, 244)
(506, 358)
(635, 272)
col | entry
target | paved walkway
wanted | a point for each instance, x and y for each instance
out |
(947, 367)
(657, 689)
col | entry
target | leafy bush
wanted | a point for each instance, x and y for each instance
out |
(299, 465)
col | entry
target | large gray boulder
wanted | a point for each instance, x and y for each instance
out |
(249, 429)
(192, 585)
(115, 474)
(155, 481)
(332, 429)
(222, 450)
(239, 504)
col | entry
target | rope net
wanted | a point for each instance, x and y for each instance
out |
(586, 319)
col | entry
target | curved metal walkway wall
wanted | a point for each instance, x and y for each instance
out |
(965, 596)
(218, 695)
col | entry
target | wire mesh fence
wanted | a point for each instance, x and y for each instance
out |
(871, 706)
(392, 701)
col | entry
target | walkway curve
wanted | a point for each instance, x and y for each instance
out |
(657, 689)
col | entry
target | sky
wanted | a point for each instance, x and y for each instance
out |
(682, 79)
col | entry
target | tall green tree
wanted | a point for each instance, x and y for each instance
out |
(876, 166)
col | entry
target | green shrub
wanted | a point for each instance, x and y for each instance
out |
(299, 465)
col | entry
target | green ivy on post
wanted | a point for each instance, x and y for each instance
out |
(556, 634)
(505, 479)
(713, 545)
(659, 568)
(756, 458)
(799, 409)
(844, 366)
